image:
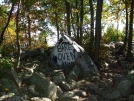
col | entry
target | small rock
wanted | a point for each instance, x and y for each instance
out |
(68, 96)
(124, 87)
(92, 98)
(40, 99)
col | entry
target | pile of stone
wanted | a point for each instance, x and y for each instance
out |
(69, 75)
(47, 84)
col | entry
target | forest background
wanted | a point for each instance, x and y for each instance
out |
(29, 24)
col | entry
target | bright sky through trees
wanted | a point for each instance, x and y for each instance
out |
(54, 39)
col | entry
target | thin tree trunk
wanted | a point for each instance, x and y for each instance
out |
(68, 9)
(81, 22)
(129, 56)
(77, 20)
(92, 27)
(29, 31)
(126, 34)
(74, 30)
(57, 25)
(4, 29)
(17, 37)
(98, 29)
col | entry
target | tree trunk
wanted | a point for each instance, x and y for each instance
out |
(81, 22)
(4, 29)
(92, 28)
(126, 34)
(73, 27)
(77, 20)
(129, 55)
(17, 38)
(98, 29)
(29, 31)
(68, 9)
(57, 26)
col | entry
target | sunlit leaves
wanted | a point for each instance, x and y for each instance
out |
(123, 6)
(76, 10)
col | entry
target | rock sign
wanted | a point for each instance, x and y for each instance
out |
(67, 51)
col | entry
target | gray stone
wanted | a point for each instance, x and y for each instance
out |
(15, 98)
(132, 80)
(58, 76)
(68, 96)
(40, 99)
(80, 93)
(80, 83)
(93, 86)
(15, 91)
(44, 86)
(67, 51)
(31, 90)
(92, 98)
(74, 73)
(95, 78)
(107, 84)
(101, 91)
(112, 95)
(130, 98)
(66, 86)
(15, 77)
(72, 83)
(4, 97)
(85, 75)
(0, 55)
(87, 64)
(5, 84)
(22, 55)
(26, 96)
(59, 91)
(32, 53)
(118, 78)
(124, 87)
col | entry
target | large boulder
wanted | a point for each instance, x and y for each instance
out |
(44, 86)
(67, 52)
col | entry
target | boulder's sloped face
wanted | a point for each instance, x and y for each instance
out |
(67, 51)
(64, 53)
(86, 63)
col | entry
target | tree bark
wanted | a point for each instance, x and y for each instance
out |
(4, 29)
(68, 9)
(57, 25)
(126, 34)
(129, 56)
(17, 37)
(98, 29)
(92, 28)
(29, 31)
(77, 20)
(81, 22)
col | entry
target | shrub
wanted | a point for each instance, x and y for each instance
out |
(112, 34)
(6, 50)
(6, 63)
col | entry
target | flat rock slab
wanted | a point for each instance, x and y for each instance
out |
(15, 77)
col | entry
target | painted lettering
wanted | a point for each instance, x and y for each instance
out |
(59, 48)
(65, 54)
(72, 55)
(68, 56)
(60, 56)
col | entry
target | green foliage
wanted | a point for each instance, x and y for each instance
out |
(105, 51)
(6, 63)
(112, 34)
(6, 49)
